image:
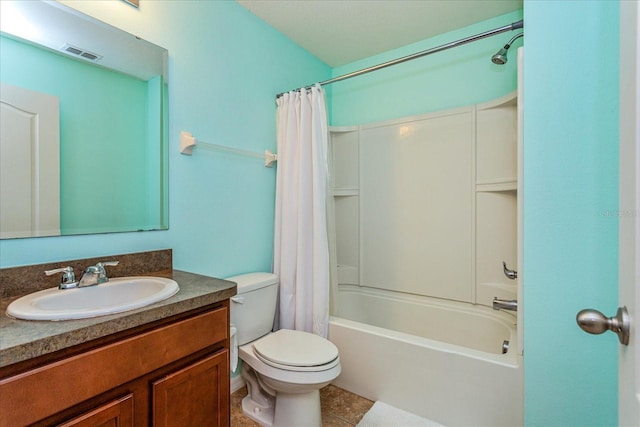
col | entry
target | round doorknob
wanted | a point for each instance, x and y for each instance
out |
(594, 322)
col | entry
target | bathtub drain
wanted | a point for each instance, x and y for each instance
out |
(505, 346)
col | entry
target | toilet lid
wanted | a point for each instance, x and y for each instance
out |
(295, 349)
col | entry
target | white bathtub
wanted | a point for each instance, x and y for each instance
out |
(442, 361)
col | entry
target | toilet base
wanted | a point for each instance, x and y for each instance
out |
(299, 410)
(293, 409)
(263, 415)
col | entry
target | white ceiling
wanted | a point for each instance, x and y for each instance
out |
(342, 31)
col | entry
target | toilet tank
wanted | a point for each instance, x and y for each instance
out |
(254, 307)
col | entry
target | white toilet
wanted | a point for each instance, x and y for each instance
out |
(284, 370)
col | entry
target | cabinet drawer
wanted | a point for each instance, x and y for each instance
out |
(44, 391)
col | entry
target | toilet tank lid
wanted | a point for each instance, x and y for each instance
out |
(252, 281)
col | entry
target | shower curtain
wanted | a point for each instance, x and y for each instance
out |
(301, 253)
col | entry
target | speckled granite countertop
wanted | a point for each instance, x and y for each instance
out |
(22, 339)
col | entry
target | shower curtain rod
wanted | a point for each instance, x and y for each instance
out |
(513, 26)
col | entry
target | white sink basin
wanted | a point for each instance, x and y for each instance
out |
(115, 296)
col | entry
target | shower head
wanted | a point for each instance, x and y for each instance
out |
(500, 57)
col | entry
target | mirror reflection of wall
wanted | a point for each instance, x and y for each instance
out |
(112, 138)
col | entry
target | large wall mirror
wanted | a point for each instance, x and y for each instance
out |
(84, 125)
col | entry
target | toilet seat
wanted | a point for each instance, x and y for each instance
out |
(296, 351)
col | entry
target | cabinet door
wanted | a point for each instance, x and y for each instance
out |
(197, 395)
(118, 413)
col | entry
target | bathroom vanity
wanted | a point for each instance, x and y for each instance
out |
(166, 364)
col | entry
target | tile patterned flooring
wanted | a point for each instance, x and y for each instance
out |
(340, 408)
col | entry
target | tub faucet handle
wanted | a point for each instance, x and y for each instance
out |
(511, 274)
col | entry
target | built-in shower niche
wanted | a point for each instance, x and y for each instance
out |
(496, 185)
(345, 184)
(427, 205)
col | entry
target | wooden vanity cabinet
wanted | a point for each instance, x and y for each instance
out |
(174, 372)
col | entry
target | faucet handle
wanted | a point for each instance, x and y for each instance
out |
(511, 274)
(101, 265)
(67, 272)
(99, 268)
(68, 279)
(107, 263)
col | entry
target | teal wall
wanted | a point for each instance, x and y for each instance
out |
(571, 183)
(452, 78)
(225, 67)
(89, 143)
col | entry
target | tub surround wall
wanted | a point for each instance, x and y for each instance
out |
(416, 211)
(427, 205)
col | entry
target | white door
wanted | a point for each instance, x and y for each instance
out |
(629, 214)
(29, 163)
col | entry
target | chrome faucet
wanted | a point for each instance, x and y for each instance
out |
(95, 274)
(501, 304)
(68, 280)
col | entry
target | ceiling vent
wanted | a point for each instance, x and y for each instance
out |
(74, 50)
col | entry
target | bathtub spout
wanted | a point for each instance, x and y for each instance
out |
(501, 304)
